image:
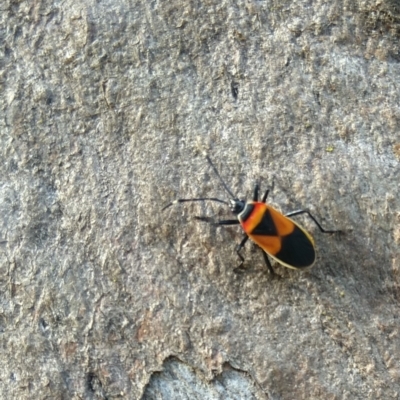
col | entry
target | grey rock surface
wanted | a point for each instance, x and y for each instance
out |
(106, 108)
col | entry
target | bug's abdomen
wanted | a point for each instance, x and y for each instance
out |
(296, 250)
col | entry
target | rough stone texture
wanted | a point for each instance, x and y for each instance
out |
(106, 108)
(177, 381)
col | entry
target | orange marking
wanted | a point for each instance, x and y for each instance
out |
(283, 224)
(270, 244)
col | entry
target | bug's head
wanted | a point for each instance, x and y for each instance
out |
(236, 206)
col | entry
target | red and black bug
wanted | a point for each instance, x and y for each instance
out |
(276, 234)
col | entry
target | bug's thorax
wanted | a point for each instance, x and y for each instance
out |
(252, 212)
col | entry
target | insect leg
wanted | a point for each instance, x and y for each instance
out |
(268, 263)
(218, 223)
(228, 222)
(264, 199)
(255, 193)
(298, 212)
(239, 247)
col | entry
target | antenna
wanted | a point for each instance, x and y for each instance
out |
(206, 198)
(219, 176)
(199, 199)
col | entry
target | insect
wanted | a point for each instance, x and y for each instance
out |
(278, 236)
